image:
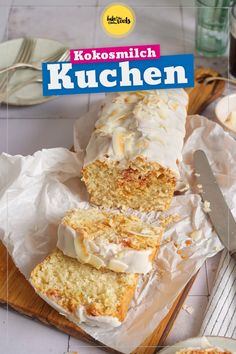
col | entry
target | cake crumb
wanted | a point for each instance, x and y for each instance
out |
(176, 245)
(188, 242)
(188, 309)
(196, 234)
(182, 254)
(169, 219)
(182, 187)
(199, 187)
(206, 206)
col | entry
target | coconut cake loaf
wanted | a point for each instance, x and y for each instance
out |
(133, 154)
(109, 240)
(81, 292)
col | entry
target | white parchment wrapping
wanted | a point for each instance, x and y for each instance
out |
(35, 192)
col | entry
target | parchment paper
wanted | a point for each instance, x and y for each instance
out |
(36, 191)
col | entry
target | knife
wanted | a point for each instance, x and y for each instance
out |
(219, 214)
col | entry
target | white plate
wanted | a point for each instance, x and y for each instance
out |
(202, 343)
(30, 94)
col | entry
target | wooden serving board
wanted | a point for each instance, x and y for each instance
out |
(20, 296)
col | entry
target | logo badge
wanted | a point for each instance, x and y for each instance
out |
(118, 20)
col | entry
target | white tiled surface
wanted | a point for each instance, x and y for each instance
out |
(188, 325)
(19, 130)
(23, 335)
(76, 23)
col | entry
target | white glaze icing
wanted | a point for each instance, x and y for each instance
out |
(81, 315)
(143, 123)
(112, 256)
(65, 240)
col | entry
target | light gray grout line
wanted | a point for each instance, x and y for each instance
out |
(42, 118)
(68, 343)
(97, 5)
(191, 295)
(93, 43)
(5, 29)
(182, 24)
(195, 7)
(206, 272)
(84, 5)
(7, 148)
(5, 36)
(48, 6)
(88, 106)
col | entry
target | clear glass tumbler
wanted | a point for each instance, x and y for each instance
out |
(212, 27)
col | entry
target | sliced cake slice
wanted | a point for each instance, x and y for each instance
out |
(109, 240)
(81, 292)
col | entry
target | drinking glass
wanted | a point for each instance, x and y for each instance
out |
(212, 27)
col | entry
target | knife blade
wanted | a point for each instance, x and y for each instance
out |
(219, 214)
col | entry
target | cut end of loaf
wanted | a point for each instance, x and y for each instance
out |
(143, 185)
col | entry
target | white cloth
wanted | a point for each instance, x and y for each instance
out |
(220, 317)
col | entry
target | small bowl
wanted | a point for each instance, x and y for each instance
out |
(222, 110)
